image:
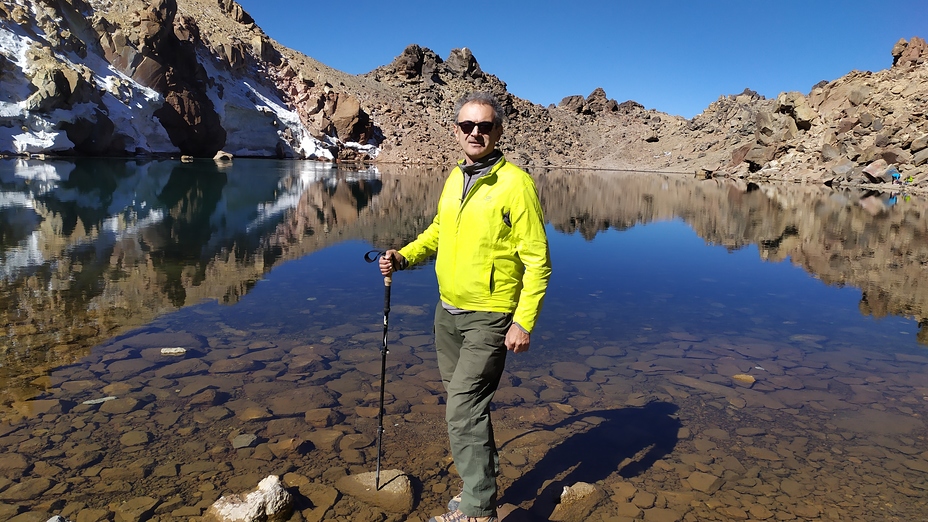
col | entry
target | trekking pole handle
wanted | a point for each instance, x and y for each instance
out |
(388, 280)
(372, 256)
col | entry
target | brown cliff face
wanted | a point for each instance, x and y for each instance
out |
(187, 115)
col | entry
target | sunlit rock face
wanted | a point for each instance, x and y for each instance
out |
(86, 79)
(193, 77)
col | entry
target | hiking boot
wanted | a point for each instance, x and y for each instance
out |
(454, 503)
(457, 516)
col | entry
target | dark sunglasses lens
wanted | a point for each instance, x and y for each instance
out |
(484, 127)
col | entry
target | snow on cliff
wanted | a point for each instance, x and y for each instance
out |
(52, 96)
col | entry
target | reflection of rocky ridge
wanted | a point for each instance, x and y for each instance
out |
(849, 238)
(110, 257)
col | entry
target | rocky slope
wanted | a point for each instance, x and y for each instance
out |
(94, 77)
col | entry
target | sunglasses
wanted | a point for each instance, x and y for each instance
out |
(483, 127)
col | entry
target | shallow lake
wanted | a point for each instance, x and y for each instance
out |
(708, 349)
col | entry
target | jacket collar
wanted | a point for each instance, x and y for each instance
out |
(482, 166)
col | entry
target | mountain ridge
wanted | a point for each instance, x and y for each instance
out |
(195, 77)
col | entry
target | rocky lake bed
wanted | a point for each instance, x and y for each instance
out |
(673, 426)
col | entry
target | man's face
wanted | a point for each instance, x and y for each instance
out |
(475, 144)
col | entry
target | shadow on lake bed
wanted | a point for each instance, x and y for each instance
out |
(623, 442)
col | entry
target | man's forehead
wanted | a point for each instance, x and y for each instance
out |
(476, 107)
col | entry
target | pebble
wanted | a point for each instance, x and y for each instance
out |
(245, 440)
(135, 438)
(101, 400)
(120, 406)
(135, 509)
(704, 482)
(26, 490)
(570, 371)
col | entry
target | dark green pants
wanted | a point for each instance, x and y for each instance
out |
(471, 357)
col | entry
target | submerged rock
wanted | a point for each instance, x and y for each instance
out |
(395, 494)
(577, 502)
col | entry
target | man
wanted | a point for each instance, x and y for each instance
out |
(493, 267)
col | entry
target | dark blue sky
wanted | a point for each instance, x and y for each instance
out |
(673, 56)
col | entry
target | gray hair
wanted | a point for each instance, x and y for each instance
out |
(482, 98)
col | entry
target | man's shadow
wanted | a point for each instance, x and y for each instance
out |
(607, 439)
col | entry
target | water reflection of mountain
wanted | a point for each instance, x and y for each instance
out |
(91, 248)
(875, 242)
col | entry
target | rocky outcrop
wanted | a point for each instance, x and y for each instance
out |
(154, 78)
(170, 65)
(595, 103)
(864, 128)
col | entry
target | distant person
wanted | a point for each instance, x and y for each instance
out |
(493, 266)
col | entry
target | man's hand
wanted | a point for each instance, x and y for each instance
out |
(517, 339)
(389, 261)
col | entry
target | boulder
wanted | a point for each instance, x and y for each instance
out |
(233, 54)
(264, 50)
(797, 106)
(598, 102)
(830, 152)
(573, 103)
(774, 128)
(186, 29)
(704, 482)
(919, 143)
(150, 73)
(139, 508)
(920, 158)
(758, 155)
(347, 117)
(577, 502)
(896, 155)
(395, 494)
(911, 53)
(876, 172)
(52, 89)
(235, 12)
(461, 63)
(269, 502)
(416, 63)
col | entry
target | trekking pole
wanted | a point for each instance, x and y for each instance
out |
(387, 282)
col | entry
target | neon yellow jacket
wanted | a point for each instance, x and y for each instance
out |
(483, 263)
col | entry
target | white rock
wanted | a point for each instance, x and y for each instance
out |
(269, 502)
(173, 351)
(99, 401)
